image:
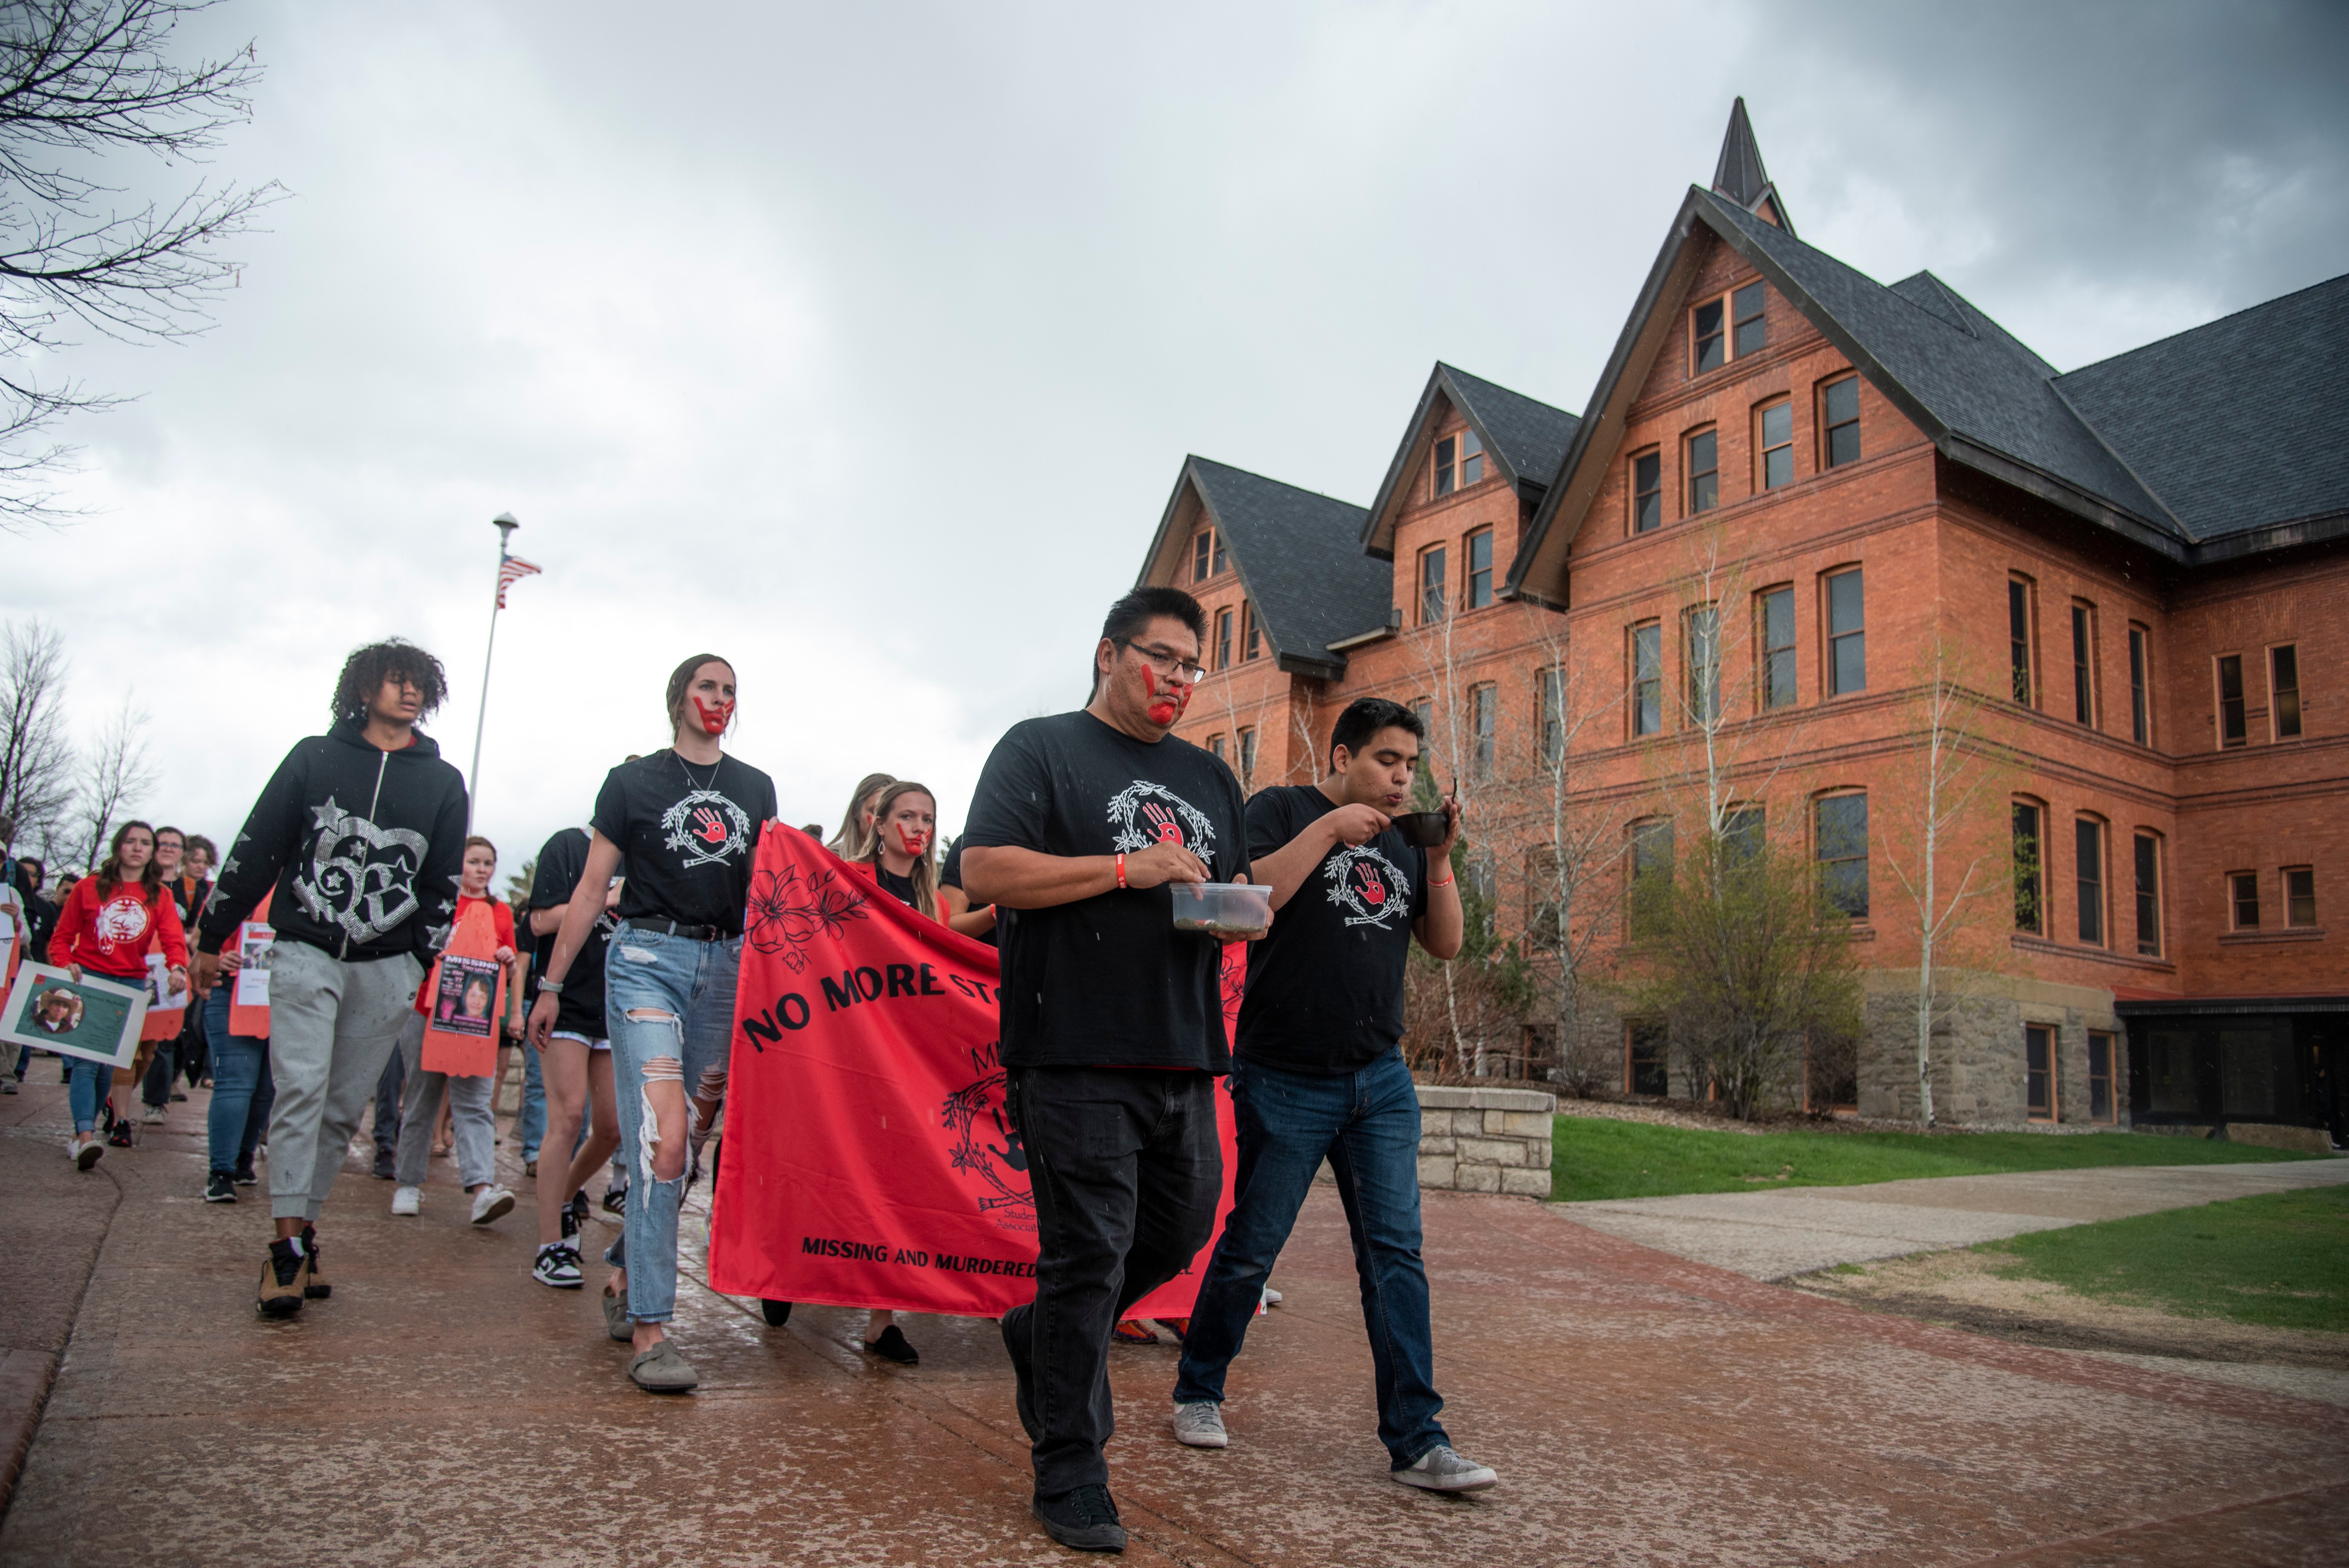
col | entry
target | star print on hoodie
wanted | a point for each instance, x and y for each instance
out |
(364, 847)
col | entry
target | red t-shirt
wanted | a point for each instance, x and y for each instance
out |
(501, 915)
(110, 936)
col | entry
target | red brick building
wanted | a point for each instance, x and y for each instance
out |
(1799, 505)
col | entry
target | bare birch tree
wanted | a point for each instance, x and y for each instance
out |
(116, 776)
(37, 758)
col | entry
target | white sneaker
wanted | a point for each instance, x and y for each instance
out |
(407, 1200)
(1200, 1425)
(1440, 1470)
(492, 1203)
(1271, 1297)
(85, 1153)
(154, 1113)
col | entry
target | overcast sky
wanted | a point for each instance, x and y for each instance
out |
(862, 344)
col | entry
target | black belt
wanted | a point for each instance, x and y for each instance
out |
(678, 928)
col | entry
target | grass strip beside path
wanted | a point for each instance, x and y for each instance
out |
(1593, 1158)
(2281, 1260)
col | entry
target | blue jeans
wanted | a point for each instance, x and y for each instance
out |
(1367, 1124)
(529, 1126)
(86, 1084)
(242, 1091)
(692, 983)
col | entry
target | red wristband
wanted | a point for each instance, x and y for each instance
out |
(1120, 868)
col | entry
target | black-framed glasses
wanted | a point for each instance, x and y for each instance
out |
(1170, 663)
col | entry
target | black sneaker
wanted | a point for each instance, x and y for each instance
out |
(120, 1137)
(570, 1223)
(579, 1209)
(106, 1114)
(776, 1313)
(558, 1265)
(890, 1345)
(385, 1171)
(219, 1189)
(1085, 1519)
(178, 1098)
(616, 1199)
(246, 1178)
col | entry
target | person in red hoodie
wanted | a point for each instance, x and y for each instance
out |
(109, 921)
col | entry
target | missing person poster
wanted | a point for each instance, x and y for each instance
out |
(47, 1008)
(253, 948)
(166, 1010)
(465, 1004)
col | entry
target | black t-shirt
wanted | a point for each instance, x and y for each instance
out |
(688, 832)
(898, 887)
(188, 897)
(1325, 984)
(950, 875)
(1108, 981)
(579, 1006)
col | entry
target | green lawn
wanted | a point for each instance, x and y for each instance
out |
(1590, 1157)
(2281, 1260)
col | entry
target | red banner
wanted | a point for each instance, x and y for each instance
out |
(869, 1158)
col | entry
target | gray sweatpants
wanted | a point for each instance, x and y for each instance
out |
(332, 1026)
(471, 1124)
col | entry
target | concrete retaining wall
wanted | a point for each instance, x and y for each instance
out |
(1484, 1140)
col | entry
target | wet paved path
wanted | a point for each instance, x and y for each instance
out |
(1794, 1230)
(442, 1409)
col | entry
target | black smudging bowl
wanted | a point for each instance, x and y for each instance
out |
(1421, 830)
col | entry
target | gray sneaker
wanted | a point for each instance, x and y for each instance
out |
(1440, 1470)
(1200, 1425)
(661, 1370)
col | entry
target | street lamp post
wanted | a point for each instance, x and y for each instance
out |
(505, 522)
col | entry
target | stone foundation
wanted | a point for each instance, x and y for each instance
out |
(1484, 1140)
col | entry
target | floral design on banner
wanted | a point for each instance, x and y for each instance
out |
(787, 912)
(1366, 885)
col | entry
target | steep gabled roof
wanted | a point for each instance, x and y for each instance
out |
(1525, 437)
(1738, 173)
(1298, 556)
(2237, 425)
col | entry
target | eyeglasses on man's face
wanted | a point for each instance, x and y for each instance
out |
(1172, 665)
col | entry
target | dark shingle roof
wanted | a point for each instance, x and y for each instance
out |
(2238, 424)
(1299, 555)
(1530, 436)
(1962, 375)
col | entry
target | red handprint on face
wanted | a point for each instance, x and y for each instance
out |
(1374, 890)
(1170, 832)
(708, 827)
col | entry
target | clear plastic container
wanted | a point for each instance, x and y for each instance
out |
(1228, 911)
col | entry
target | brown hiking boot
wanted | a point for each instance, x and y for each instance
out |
(315, 1288)
(283, 1278)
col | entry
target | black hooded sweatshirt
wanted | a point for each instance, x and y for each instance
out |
(364, 848)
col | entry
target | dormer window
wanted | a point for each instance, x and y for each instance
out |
(1745, 310)
(1708, 339)
(1471, 459)
(1446, 473)
(1207, 556)
(1459, 462)
(1726, 321)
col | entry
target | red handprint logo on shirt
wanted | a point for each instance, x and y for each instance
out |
(708, 827)
(1374, 890)
(1162, 821)
(1368, 888)
(1144, 814)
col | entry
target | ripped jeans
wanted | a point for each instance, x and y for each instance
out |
(668, 1002)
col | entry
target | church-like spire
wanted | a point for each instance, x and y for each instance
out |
(1740, 177)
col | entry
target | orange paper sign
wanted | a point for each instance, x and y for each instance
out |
(464, 997)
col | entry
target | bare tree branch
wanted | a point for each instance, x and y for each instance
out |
(116, 775)
(37, 760)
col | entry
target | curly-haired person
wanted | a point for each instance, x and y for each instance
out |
(361, 834)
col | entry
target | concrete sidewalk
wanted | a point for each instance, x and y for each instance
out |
(1794, 1230)
(443, 1409)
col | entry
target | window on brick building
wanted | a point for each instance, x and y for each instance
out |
(1645, 1064)
(2018, 639)
(2039, 1071)
(2140, 685)
(1841, 847)
(1839, 421)
(1208, 558)
(1424, 710)
(2243, 899)
(1648, 679)
(2149, 895)
(1774, 441)
(1651, 856)
(2088, 876)
(1446, 466)
(1251, 634)
(1846, 633)
(1471, 459)
(1777, 669)
(1216, 746)
(1484, 720)
(2083, 663)
(1549, 702)
(1223, 639)
(1480, 568)
(2283, 690)
(1709, 341)
(2234, 727)
(2299, 895)
(1704, 472)
(2030, 868)
(1247, 757)
(1702, 662)
(1751, 327)
(2102, 1105)
(1745, 831)
(1433, 601)
(1646, 492)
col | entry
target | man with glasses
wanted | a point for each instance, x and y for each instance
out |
(1112, 1021)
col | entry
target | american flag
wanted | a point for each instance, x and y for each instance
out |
(511, 569)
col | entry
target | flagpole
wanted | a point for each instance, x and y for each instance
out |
(505, 522)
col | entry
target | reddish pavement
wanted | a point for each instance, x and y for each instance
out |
(442, 1408)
